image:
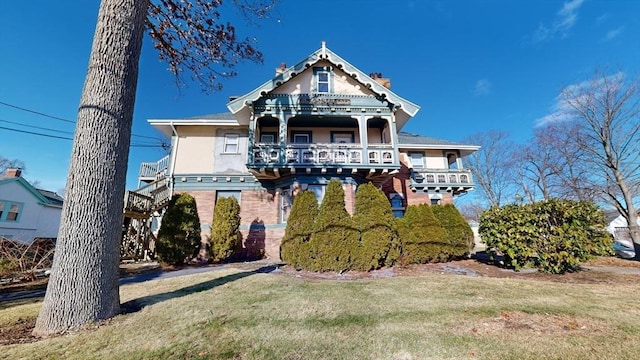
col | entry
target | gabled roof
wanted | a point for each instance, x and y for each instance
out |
(44, 197)
(413, 141)
(323, 54)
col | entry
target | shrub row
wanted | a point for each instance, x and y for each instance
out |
(552, 235)
(179, 235)
(329, 239)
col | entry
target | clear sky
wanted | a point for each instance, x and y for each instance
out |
(471, 65)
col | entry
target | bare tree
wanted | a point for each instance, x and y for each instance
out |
(606, 111)
(492, 165)
(83, 286)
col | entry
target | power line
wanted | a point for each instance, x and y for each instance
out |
(36, 127)
(66, 120)
(66, 138)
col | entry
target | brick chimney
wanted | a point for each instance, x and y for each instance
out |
(386, 82)
(281, 69)
(13, 173)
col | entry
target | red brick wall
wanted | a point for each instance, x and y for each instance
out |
(260, 243)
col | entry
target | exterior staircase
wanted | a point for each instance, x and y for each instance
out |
(141, 206)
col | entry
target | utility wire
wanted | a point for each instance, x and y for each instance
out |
(65, 120)
(67, 138)
(36, 127)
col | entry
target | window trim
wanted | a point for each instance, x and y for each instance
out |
(348, 133)
(411, 158)
(228, 137)
(316, 79)
(6, 207)
(298, 132)
(394, 209)
(269, 133)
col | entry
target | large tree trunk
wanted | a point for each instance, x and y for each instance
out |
(83, 286)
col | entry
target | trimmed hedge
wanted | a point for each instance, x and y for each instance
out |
(179, 235)
(335, 236)
(459, 233)
(294, 249)
(225, 233)
(379, 243)
(552, 235)
(422, 237)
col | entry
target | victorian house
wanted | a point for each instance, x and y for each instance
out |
(317, 120)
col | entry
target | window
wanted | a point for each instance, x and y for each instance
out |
(268, 138)
(323, 82)
(322, 79)
(231, 143)
(10, 211)
(417, 160)
(228, 193)
(342, 137)
(396, 205)
(301, 137)
(452, 160)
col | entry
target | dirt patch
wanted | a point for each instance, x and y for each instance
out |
(18, 333)
(536, 324)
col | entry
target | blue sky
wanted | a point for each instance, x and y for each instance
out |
(471, 65)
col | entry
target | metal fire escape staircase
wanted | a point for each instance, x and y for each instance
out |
(140, 207)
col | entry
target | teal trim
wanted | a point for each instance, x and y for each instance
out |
(6, 206)
(27, 187)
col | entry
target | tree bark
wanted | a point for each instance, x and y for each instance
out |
(83, 286)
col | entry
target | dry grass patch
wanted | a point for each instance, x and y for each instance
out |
(243, 314)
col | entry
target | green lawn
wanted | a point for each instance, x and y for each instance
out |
(239, 314)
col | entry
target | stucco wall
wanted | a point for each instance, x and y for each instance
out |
(195, 150)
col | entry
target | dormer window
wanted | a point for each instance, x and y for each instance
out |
(322, 79)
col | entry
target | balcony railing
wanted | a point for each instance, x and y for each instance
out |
(322, 155)
(434, 177)
(154, 170)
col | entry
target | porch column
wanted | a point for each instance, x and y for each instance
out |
(250, 138)
(282, 118)
(364, 137)
(394, 138)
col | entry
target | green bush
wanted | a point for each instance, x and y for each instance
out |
(379, 244)
(459, 233)
(179, 234)
(225, 233)
(334, 236)
(422, 237)
(552, 235)
(294, 249)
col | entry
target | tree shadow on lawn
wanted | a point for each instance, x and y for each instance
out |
(135, 305)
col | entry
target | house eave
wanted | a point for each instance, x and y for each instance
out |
(165, 125)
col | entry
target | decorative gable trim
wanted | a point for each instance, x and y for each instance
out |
(401, 104)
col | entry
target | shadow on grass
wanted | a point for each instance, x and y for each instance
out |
(136, 305)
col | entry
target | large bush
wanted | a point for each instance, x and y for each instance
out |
(379, 243)
(225, 233)
(334, 236)
(179, 234)
(552, 235)
(294, 249)
(422, 237)
(459, 233)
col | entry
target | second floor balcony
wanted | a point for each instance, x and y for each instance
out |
(456, 181)
(322, 155)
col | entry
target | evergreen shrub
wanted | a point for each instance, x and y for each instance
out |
(179, 235)
(225, 233)
(422, 237)
(552, 235)
(379, 243)
(294, 249)
(335, 236)
(459, 233)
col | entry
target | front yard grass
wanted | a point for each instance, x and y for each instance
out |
(239, 314)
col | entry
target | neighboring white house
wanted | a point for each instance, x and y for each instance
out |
(27, 213)
(623, 244)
